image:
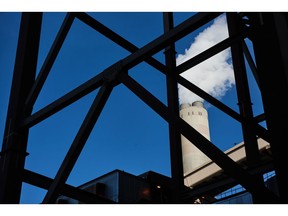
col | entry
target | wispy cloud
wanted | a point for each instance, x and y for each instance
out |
(215, 75)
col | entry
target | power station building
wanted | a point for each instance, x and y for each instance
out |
(199, 172)
(121, 187)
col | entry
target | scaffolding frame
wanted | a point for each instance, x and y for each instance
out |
(267, 31)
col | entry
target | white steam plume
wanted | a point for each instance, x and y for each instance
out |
(215, 75)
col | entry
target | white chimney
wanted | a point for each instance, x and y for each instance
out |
(195, 115)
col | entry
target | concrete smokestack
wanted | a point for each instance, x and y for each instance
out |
(195, 115)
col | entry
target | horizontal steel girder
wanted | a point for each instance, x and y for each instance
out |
(45, 182)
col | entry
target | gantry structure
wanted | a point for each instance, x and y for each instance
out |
(268, 33)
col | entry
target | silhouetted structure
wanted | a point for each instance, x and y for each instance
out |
(267, 31)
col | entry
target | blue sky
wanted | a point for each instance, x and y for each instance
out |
(128, 135)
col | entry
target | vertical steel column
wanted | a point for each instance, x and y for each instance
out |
(173, 108)
(270, 33)
(49, 61)
(14, 145)
(244, 101)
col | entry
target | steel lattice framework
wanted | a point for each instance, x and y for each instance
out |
(267, 31)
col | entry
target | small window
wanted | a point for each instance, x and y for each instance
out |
(188, 113)
(200, 113)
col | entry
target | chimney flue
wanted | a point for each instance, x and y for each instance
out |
(198, 104)
(195, 115)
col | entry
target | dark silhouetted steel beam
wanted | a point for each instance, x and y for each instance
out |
(15, 138)
(244, 101)
(173, 35)
(90, 21)
(201, 57)
(71, 96)
(44, 182)
(173, 107)
(78, 143)
(140, 55)
(251, 63)
(269, 38)
(260, 117)
(216, 155)
(49, 61)
(64, 101)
